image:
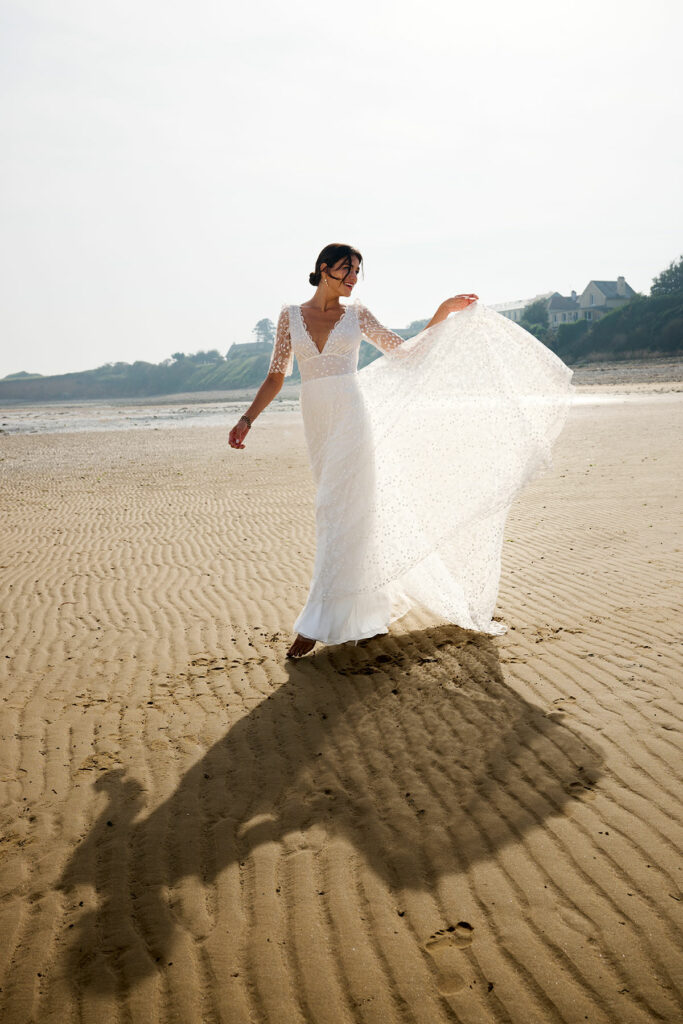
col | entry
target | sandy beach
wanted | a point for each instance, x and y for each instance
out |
(432, 826)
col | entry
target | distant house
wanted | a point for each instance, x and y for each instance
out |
(600, 297)
(562, 309)
(240, 349)
(513, 310)
(597, 298)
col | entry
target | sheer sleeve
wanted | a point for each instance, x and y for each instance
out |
(379, 336)
(282, 358)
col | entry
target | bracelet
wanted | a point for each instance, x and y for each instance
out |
(246, 418)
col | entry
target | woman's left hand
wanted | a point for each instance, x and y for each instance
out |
(237, 434)
(458, 302)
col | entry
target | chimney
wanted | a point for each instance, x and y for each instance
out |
(621, 286)
(573, 295)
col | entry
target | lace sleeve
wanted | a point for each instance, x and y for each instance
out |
(379, 336)
(282, 358)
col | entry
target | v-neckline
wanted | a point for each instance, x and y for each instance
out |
(334, 328)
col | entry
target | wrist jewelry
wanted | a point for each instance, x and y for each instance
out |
(246, 419)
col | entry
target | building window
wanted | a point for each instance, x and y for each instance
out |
(592, 299)
(589, 315)
(564, 317)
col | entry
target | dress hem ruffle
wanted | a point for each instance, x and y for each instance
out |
(361, 616)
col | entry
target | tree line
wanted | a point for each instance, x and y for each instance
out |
(643, 328)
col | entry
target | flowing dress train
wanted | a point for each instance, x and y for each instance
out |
(417, 458)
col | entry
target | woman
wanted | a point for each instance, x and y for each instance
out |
(416, 457)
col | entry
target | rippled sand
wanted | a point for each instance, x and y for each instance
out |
(432, 826)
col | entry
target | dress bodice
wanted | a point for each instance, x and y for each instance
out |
(340, 352)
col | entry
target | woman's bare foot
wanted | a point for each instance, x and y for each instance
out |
(302, 645)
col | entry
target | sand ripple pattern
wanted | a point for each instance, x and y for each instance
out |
(434, 826)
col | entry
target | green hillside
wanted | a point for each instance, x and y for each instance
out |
(644, 328)
(244, 366)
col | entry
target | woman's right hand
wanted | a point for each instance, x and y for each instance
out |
(237, 434)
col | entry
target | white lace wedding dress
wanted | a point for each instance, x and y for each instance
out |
(417, 458)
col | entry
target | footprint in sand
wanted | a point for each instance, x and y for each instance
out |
(582, 788)
(443, 948)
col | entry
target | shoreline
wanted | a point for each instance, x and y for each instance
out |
(604, 384)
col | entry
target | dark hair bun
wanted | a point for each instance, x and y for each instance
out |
(314, 277)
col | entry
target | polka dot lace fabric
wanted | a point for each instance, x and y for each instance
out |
(417, 459)
(282, 356)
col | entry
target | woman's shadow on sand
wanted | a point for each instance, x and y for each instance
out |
(412, 747)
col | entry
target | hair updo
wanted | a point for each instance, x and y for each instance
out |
(330, 255)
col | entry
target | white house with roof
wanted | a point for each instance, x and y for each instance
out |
(600, 297)
(597, 299)
(513, 310)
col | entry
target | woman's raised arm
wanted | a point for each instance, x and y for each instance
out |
(386, 340)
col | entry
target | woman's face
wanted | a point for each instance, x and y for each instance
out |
(344, 274)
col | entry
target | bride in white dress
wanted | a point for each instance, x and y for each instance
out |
(417, 457)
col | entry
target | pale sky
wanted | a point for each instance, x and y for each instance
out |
(170, 170)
